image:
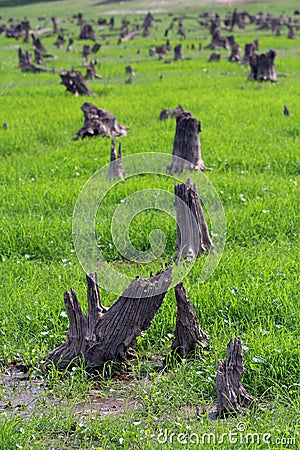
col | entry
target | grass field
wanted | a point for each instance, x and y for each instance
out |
(254, 150)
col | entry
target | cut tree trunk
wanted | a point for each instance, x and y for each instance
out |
(91, 71)
(99, 122)
(116, 164)
(188, 333)
(75, 82)
(263, 67)
(186, 146)
(231, 393)
(105, 334)
(192, 231)
(26, 65)
(214, 57)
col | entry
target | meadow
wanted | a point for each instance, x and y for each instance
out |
(254, 151)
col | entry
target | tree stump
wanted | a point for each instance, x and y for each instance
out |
(178, 52)
(26, 65)
(186, 146)
(193, 236)
(60, 41)
(70, 45)
(171, 112)
(87, 32)
(231, 393)
(116, 163)
(214, 57)
(91, 71)
(75, 82)
(105, 334)
(85, 54)
(250, 49)
(235, 50)
(96, 47)
(38, 44)
(188, 333)
(263, 67)
(99, 122)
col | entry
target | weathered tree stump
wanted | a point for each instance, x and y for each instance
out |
(91, 71)
(231, 393)
(218, 41)
(70, 45)
(250, 49)
(235, 50)
(116, 163)
(86, 51)
(286, 112)
(55, 25)
(188, 333)
(129, 70)
(178, 52)
(26, 65)
(38, 44)
(214, 57)
(87, 32)
(96, 47)
(171, 112)
(105, 334)
(186, 146)
(60, 41)
(193, 237)
(75, 82)
(99, 122)
(263, 67)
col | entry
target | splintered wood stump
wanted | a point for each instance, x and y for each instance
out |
(192, 231)
(116, 164)
(188, 333)
(263, 67)
(105, 334)
(75, 82)
(186, 147)
(99, 122)
(171, 112)
(231, 393)
(26, 65)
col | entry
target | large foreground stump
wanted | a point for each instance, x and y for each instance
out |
(192, 231)
(188, 333)
(263, 67)
(186, 145)
(105, 334)
(231, 393)
(99, 122)
(75, 82)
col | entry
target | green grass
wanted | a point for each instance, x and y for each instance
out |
(254, 151)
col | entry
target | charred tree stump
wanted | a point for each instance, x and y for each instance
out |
(193, 236)
(231, 393)
(26, 65)
(60, 41)
(235, 50)
(99, 122)
(116, 163)
(96, 47)
(85, 54)
(186, 146)
(87, 32)
(263, 67)
(171, 112)
(178, 52)
(38, 44)
(188, 333)
(105, 335)
(218, 41)
(250, 49)
(75, 82)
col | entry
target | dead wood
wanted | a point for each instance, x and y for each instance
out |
(99, 122)
(105, 334)
(75, 82)
(193, 236)
(26, 65)
(178, 52)
(230, 392)
(60, 41)
(235, 50)
(186, 146)
(70, 45)
(87, 32)
(188, 332)
(91, 71)
(171, 112)
(214, 57)
(263, 67)
(116, 164)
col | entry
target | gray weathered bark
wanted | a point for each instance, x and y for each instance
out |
(186, 147)
(192, 232)
(105, 334)
(188, 333)
(263, 67)
(231, 393)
